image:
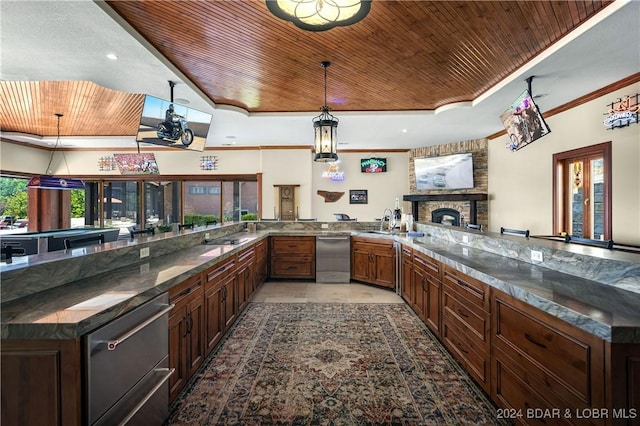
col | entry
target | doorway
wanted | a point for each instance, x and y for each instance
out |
(582, 192)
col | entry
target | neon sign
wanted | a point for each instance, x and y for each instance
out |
(622, 112)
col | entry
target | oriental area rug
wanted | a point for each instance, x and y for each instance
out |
(331, 364)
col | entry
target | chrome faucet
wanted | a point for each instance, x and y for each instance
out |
(392, 220)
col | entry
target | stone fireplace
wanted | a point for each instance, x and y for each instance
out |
(446, 216)
(438, 206)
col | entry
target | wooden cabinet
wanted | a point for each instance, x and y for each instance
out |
(186, 332)
(428, 283)
(466, 323)
(219, 291)
(245, 273)
(373, 261)
(293, 257)
(261, 268)
(542, 362)
(41, 382)
(406, 277)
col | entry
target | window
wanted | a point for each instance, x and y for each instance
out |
(582, 192)
(161, 202)
(121, 205)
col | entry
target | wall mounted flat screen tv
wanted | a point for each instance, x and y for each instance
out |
(524, 122)
(184, 127)
(373, 165)
(445, 172)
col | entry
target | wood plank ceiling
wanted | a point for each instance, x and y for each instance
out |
(405, 55)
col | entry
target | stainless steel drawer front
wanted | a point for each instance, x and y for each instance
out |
(124, 351)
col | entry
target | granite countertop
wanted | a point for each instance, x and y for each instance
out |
(608, 312)
(74, 309)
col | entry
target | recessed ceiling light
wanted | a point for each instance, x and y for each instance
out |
(182, 101)
(404, 130)
(112, 56)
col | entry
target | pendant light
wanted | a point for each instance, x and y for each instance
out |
(52, 182)
(320, 15)
(326, 129)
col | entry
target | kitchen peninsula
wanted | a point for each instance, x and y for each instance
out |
(554, 305)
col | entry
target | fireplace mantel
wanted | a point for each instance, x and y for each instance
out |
(421, 198)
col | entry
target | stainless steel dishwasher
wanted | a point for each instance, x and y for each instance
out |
(333, 259)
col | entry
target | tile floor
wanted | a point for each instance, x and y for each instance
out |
(305, 292)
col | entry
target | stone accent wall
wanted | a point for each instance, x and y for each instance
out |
(479, 149)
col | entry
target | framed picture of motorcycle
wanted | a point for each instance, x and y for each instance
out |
(169, 124)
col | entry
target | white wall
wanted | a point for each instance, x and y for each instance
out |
(383, 188)
(520, 183)
(20, 158)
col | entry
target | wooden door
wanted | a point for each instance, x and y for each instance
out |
(214, 325)
(195, 338)
(177, 350)
(287, 203)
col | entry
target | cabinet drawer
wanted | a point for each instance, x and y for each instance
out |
(217, 272)
(430, 266)
(471, 289)
(566, 357)
(468, 349)
(297, 245)
(182, 291)
(293, 268)
(521, 402)
(472, 316)
(261, 249)
(246, 256)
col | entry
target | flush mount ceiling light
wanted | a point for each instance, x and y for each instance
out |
(326, 129)
(320, 15)
(52, 182)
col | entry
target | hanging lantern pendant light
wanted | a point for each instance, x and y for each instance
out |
(326, 129)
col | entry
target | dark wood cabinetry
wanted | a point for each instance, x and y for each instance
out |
(186, 332)
(261, 269)
(219, 295)
(542, 362)
(466, 322)
(406, 276)
(246, 280)
(41, 382)
(428, 283)
(373, 261)
(293, 257)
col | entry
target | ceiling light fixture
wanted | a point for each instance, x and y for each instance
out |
(320, 15)
(52, 182)
(326, 129)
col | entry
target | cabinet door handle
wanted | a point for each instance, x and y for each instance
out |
(532, 340)
(186, 326)
(184, 292)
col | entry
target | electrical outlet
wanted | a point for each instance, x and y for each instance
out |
(465, 238)
(536, 256)
(144, 252)
(465, 251)
(325, 225)
(207, 235)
